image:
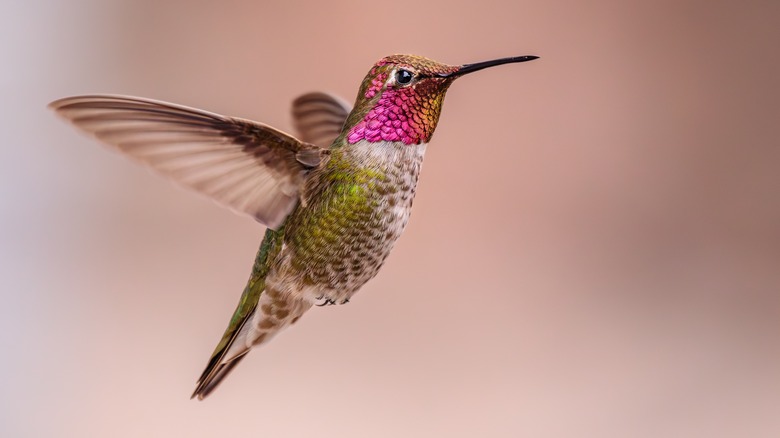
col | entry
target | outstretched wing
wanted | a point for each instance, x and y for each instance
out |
(247, 166)
(319, 117)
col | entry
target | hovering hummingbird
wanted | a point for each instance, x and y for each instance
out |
(334, 200)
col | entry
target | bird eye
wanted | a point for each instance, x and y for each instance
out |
(403, 77)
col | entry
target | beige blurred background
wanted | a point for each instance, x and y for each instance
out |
(594, 250)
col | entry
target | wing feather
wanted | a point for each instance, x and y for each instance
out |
(319, 117)
(247, 166)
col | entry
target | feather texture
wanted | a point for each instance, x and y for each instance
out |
(247, 166)
(319, 117)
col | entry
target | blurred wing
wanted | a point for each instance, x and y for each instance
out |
(244, 165)
(319, 117)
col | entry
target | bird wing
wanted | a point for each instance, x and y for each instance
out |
(247, 166)
(319, 117)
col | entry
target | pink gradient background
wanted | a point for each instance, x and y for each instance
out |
(594, 252)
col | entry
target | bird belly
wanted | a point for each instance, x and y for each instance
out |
(340, 240)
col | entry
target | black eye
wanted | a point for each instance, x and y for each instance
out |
(403, 77)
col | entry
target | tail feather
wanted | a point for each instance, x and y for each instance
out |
(220, 364)
(207, 383)
(271, 314)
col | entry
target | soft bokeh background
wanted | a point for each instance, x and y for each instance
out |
(594, 251)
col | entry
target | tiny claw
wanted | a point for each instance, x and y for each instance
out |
(327, 302)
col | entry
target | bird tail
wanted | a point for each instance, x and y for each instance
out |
(260, 314)
(213, 375)
(272, 313)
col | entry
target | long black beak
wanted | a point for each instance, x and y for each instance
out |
(471, 68)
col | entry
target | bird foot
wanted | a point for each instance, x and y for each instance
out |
(322, 300)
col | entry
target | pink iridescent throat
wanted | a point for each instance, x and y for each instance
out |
(398, 116)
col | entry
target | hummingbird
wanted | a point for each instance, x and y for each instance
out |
(334, 200)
